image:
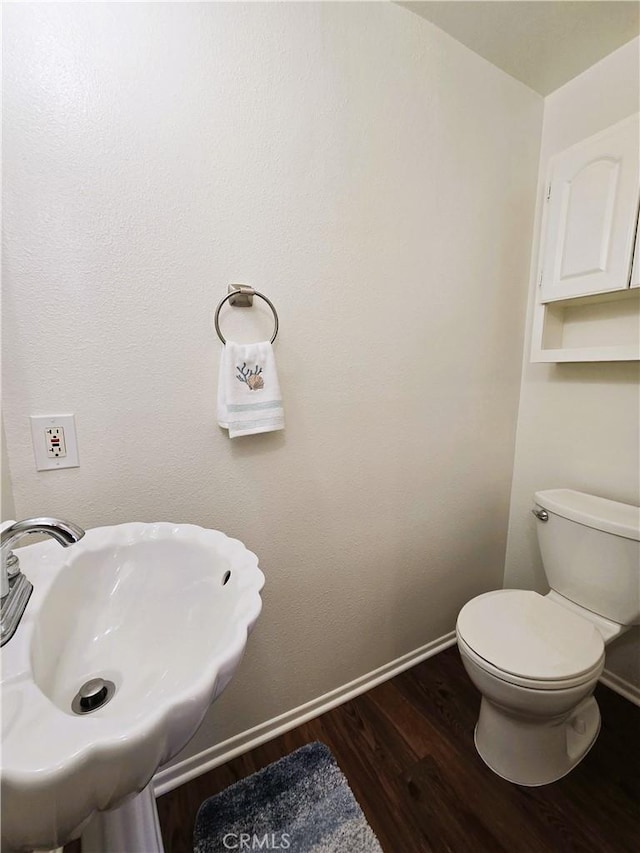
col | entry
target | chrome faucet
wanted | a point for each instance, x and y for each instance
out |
(15, 588)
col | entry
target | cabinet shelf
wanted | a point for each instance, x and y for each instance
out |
(600, 327)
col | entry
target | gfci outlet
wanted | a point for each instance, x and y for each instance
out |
(54, 441)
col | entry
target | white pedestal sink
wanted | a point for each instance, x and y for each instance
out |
(161, 612)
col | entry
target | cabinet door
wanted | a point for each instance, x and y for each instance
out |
(592, 203)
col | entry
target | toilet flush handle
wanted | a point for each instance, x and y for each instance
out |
(541, 514)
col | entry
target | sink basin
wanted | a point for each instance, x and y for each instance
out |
(161, 612)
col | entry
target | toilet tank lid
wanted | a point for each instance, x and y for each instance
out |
(599, 513)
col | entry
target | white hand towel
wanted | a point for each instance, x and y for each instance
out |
(249, 399)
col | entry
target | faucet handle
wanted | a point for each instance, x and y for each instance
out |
(13, 565)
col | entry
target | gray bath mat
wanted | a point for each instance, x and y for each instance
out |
(301, 803)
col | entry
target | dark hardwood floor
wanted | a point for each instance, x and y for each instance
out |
(407, 749)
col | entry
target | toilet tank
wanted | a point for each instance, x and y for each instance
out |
(590, 549)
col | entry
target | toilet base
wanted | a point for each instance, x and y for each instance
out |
(534, 751)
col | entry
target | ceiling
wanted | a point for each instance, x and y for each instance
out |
(543, 43)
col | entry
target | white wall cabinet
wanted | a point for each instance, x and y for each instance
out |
(592, 206)
(588, 293)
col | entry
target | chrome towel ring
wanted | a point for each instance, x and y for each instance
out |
(247, 292)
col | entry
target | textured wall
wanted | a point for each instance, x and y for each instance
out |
(6, 502)
(376, 179)
(579, 424)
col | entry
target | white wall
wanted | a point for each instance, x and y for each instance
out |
(7, 509)
(377, 180)
(578, 424)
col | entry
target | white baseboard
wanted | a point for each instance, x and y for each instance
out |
(171, 777)
(619, 685)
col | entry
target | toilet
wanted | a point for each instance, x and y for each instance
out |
(536, 658)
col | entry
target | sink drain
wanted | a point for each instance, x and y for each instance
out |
(93, 694)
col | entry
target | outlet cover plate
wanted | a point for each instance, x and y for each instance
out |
(39, 426)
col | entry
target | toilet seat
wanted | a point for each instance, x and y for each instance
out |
(524, 638)
(530, 683)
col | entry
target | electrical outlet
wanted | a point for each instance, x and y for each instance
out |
(54, 442)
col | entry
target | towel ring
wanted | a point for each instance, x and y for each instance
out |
(253, 293)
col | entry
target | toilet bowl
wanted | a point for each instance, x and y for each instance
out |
(537, 658)
(536, 666)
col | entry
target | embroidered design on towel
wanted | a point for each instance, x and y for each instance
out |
(251, 378)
